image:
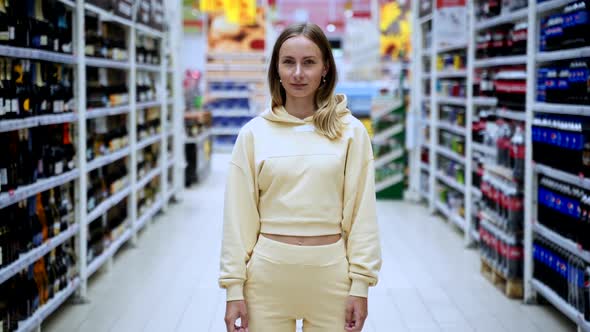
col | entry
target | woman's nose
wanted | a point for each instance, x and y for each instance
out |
(298, 70)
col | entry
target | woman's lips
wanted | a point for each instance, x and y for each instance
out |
(298, 86)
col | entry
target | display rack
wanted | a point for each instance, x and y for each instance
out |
(170, 108)
(530, 61)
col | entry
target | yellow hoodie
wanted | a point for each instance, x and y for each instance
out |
(287, 179)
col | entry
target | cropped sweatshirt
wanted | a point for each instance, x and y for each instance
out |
(287, 179)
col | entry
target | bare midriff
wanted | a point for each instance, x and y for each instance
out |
(304, 240)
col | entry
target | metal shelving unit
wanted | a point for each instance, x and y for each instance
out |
(169, 44)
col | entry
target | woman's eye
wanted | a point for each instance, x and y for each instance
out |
(287, 62)
(309, 62)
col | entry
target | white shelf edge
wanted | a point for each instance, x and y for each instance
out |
(452, 128)
(33, 255)
(513, 115)
(148, 67)
(97, 262)
(149, 31)
(108, 16)
(219, 113)
(506, 18)
(561, 241)
(499, 170)
(217, 131)
(551, 296)
(425, 19)
(424, 194)
(148, 177)
(148, 214)
(169, 195)
(387, 133)
(107, 159)
(562, 109)
(451, 73)
(450, 154)
(397, 178)
(453, 217)
(475, 235)
(16, 124)
(424, 167)
(575, 180)
(199, 139)
(107, 204)
(485, 101)
(487, 150)
(236, 79)
(34, 54)
(550, 5)
(426, 52)
(236, 67)
(148, 104)
(389, 157)
(170, 163)
(236, 56)
(450, 48)
(68, 3)
(107, 63)
(92, 113)
(148, 141)
(47, 309)
(476, 192)
(488, 219)
(575, 53)
(21, 193)
(458, 101)
(501, 61)
(450, 182)
(229, 94)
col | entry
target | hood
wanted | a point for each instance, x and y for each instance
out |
(280, 115)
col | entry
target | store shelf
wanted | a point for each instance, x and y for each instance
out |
(92, 113)
(475, 235)
(520, 14)
(380, 186)
(576, 180)
(236, 55)
(485, 101)
(425, 167)
(148, 177)
(476, 192)
(450, 154)
(103, 207)
(487, 150)
(562, 305)
(33, 322)
(148, 141)
(450, 48)
(257, 79)
(229, 113)
(148, 104)
(108, 16)
(108, 252)
(447, 180)
(199, 139)
(501, 171)
(458, 101)
(501, 61)
(489, 222)
(453, 217)
(146, 67)
(452, 128)
(33, 54)
(106, 63)
(513, 115)
(236, 67)
(575, 53)
(550, 5)
(33, 255)
(107, 159)
(388, 157)
(377, 112)
(170, 162)
(426, 76)
(229, 94)
(565, 243)
(16, 124)
(68, 3)
(149, 214)
(387, 133)
(425, 19)
(426, 52)
(452, 74)
(424, 194)
(562, 109)
(217, 131)
(144, 29)
(21, 193)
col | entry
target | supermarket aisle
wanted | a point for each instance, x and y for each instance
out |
(429, 282)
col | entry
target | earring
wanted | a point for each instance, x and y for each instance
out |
(324, 79)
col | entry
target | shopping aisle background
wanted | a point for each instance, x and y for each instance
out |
(429, 282)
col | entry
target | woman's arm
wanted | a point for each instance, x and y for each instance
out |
(241, 223)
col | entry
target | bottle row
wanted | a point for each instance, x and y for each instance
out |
(507, 84)
(504, 253)
(487, 9)
(565, 82)
(149, 12)
(504, 40)
(30, 289)
(503, 201)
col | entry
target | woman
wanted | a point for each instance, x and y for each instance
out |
(300, 237)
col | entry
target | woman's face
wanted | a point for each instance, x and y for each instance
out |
(301, 67)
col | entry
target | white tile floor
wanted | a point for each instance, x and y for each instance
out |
(429, 281)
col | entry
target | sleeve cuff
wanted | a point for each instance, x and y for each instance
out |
(235, 292)
(359, 288)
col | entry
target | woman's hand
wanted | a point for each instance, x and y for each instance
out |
(233, 311)
(356, 313)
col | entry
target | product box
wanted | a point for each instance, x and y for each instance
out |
(123, 8)
(157, 15)
(144, 11)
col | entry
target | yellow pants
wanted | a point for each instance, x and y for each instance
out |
(289, 282)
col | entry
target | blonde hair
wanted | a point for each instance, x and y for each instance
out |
(326, 119)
